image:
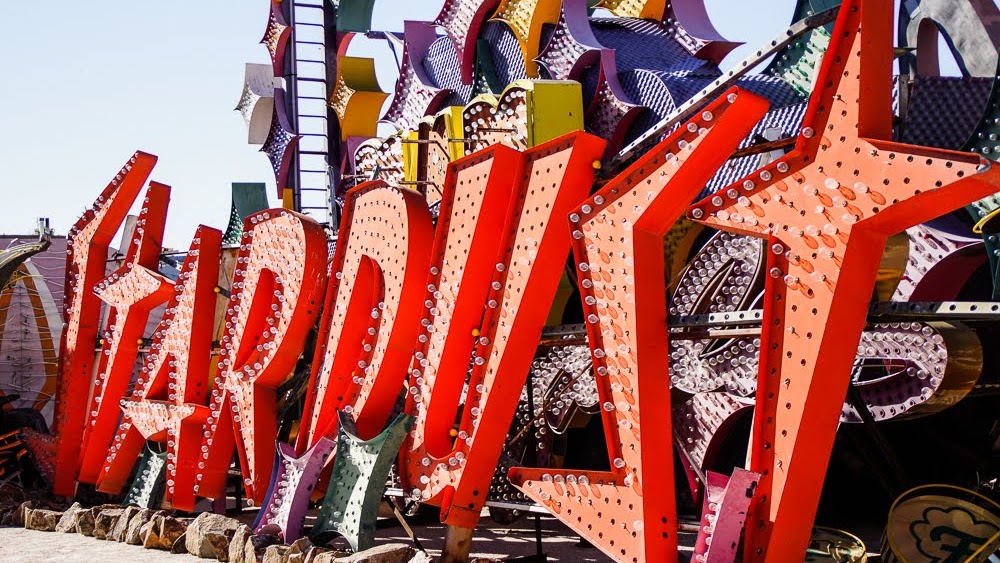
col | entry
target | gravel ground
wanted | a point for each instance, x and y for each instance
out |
(491, 540)
(28, 546)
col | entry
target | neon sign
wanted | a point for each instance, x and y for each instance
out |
(452, 314)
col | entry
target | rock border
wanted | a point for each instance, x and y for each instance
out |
(209, 535)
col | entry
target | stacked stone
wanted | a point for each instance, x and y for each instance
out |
(209, 535)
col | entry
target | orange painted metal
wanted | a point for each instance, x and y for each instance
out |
(276, 298)
(396, 305)
(487, 299)
(132, 291)
(826, 209)
(372, 312)
(629, 512)
(167, 404)
(57, 455)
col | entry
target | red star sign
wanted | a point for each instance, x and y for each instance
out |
(826, 209)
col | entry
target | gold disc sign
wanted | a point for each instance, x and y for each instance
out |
(828, 544)
(943, 524)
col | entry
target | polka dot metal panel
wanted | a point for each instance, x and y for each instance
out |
(687, 22)
(649, 44)
(256, 101)
(444, 71)
(131, 291)
(146, 490)
(86, 256)
(504, 51)
(281, 142)
(357, 98)
(700, 422)
(276, 297)
(526, 18)
(374, 305)
(629, 512)
(461, 20)
(925, 124)
(611, 112)
(292, 484)
(276, 37)
(415, 96)
(826, 208)
(504, 121)
(380, 159)
(357, 483)
(168, 402)
(527, 113)
(572, 45)
(798, 63)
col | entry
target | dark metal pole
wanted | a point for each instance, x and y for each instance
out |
(533, 444)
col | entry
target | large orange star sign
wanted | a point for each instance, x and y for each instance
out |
(826, 209)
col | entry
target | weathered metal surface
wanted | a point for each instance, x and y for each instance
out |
(87, 251)
(727, 500)
(277, 290)
(292, 482)
(619, 251)
(822, 263)
(131, 292)
(357, 482)
(168, 401)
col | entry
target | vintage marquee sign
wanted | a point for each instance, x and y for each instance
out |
(426, 308)
(168, 400)
(452, 313)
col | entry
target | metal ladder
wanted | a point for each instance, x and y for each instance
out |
(309, 90)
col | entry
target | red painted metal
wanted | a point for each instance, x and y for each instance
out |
(277, 293)
(57, 455)
(493, 271)
(453, 303)
(276, 298)
(132, 291)
(629, 512)
(372, 312)
(167, 404)
(826, 209)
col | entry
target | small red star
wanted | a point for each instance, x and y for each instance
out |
(167, 403)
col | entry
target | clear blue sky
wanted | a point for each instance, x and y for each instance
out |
(87, 83)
